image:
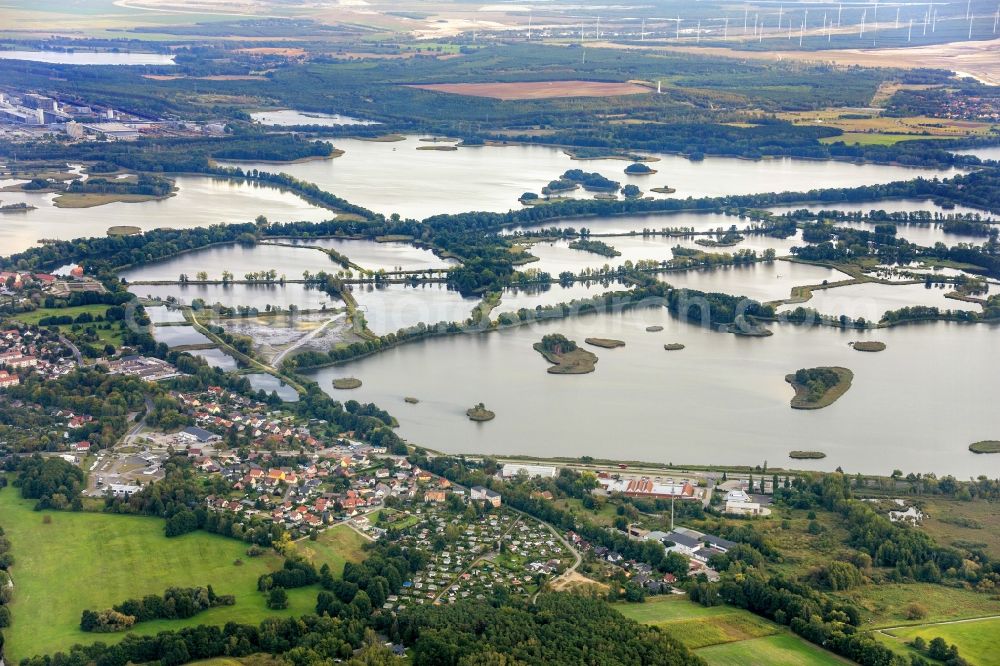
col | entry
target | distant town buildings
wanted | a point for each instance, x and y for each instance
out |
(645, 487)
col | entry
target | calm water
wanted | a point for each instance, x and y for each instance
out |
(177, 336)
(199, 202)
(761, 281)
(237, 259)
(871, 300)
(395, 177)
(292, 117)
(556, 257)
(390, 308)
(515, 298)
(250, 295)
(216, 358)
(623, 224)
(269, 383)
(164, 315)
(991, 153)
(89, 58)
(722, 399)
(375, 256)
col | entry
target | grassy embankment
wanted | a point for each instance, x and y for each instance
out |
(84, 561)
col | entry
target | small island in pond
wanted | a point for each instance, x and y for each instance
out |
(346, 383)
(985, 446)
(605, 343)
(806, 455)
(410, 400)
(595, 246)
(868, 346)
(639, 169)
(666, 189)
(816, 388)
(479, 413)
(654, 329)
(673, 346)
(565, 356)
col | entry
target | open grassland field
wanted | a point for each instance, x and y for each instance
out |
(335, 547)
(93, 561)
(875, 139)
(978, 522)
(977, 641)
(778, 650)
(35, 316)
(537, 89)
(885, 605)
(747, 638)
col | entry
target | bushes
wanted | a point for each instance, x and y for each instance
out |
(176, 604)
(295, 573)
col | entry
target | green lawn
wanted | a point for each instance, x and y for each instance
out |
(112, 336)
(34, 316)
(726, 635)
(335, 547)
(777, 650)
(976, 640)
(93, 560)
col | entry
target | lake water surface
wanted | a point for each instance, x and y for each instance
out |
(199, 202)
(395, 177)
(721, 400)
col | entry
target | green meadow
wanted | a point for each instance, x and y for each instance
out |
(81, 561)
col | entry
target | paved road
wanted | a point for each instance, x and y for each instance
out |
(72, 348)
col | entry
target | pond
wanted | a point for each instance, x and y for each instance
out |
(393, 255)
(395, 177)
(239, 260)
(199, 202)
(391, 307)
(722, 400)
(269, 383)
(762, 281)
(178, 336)
(557, 256)
(89, 57)
(216, 358)
(164, 315)
(293, 117)
(515, 298)
(259, 296)
(871, 300)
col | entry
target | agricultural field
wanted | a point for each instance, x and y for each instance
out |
(60, 555)
(726, 635)
(976, 640)
(868, 126)
(537, 89)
